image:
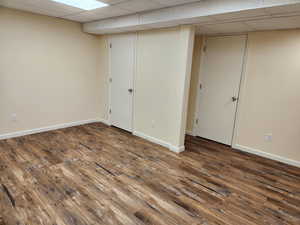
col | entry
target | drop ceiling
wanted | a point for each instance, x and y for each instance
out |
(210, 16)
(116, 8)
(267, 23)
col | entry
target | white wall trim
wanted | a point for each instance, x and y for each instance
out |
(135, 72)
(242, 88)
(49, 128)
(200, 72)
(109, 42)
(176, 149)
(187, 37)
(266, 155)
(105, 121)
(189, 132)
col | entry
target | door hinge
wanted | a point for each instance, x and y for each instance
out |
(110, 45)
(110, 111)
(204, 48)
(200, 86)
(197, 121)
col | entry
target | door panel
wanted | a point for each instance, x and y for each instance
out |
(220, 80)
(122, 71)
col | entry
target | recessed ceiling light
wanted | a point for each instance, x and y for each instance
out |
(83, 4)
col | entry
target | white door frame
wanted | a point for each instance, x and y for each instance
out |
(241, 88)
(241, 93)
(109, 42)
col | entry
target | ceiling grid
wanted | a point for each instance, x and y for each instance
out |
(210, 16)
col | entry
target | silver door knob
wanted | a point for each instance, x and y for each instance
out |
(234, 99)
(130, 90)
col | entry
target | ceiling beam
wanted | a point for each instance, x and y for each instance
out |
(202, 12)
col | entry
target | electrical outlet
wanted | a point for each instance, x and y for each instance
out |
(268, 137)
(14, 117)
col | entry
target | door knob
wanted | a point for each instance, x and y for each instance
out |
(234, 99)
(130, 90)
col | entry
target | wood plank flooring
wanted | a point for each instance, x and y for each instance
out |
(95, 174)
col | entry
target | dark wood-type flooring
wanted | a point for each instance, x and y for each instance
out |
(95, 174)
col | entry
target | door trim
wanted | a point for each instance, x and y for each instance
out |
(241, 93)
(241, 86)
(196, 115)
(109, 42)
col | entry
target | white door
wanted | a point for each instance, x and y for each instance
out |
(122, 71)
(219, 89)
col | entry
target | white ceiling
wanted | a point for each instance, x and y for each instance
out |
(259, 23)
(210, 16)
(116, 8)
(273, 18)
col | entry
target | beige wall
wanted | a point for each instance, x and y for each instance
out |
(270, 95)
(50, 72)
(194, 83)
(270, 100)
(161, 83)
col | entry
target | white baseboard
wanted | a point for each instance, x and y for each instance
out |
(267, 155)
(106, 122)
(176, 149)
(191, 133)
(49, 128)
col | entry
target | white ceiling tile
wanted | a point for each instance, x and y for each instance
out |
(269, 3)
(97, 14)
(275, 23)
(27, 6)
(283, 9)
(222, 6)
(112, 2)
(175, 2)
(139, 5)
(51, 5)
(241, 14)
(237, 11)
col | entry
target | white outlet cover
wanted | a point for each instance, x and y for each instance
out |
(14, 117)
(268, 137)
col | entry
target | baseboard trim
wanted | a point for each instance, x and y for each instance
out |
(49, 128)
(176, 149)
(267, 155)
(106, 122)
(191, 133)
